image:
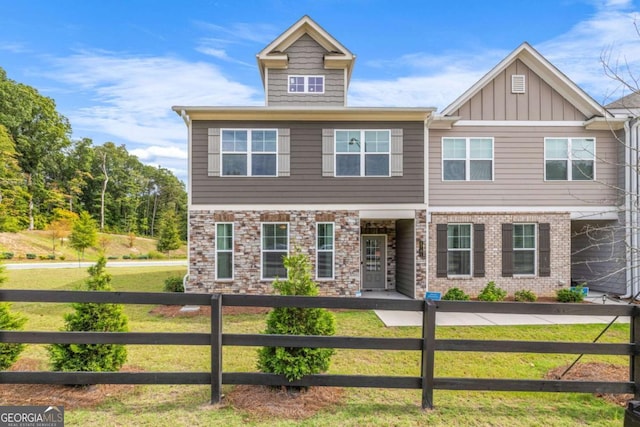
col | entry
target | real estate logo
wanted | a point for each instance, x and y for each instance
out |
(31, 416)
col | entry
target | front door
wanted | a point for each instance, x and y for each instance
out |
(374, 262)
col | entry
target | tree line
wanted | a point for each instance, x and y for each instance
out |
(45, 175)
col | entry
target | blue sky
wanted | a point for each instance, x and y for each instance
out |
(116, 67)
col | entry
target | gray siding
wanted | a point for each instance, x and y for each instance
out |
(519, 170)
(597, 255)
(496, 102)
(405, 257)
(306, 183)
(306, 57)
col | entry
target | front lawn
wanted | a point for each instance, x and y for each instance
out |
(188, 405)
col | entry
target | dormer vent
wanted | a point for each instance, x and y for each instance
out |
(517, 83)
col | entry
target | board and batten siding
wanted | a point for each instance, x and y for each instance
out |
(306, 57)
(306, 185)
(539, 102)
(405, 257)
(519, 170)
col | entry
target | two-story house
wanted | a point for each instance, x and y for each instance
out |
(513, 182)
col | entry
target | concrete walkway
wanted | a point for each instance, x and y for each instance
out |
(414, 318)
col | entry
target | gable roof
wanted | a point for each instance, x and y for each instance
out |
(547, 72)
(273, 55)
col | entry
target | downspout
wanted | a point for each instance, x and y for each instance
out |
(635, 225)
(632, 239)
(426, 202)
(187, 121)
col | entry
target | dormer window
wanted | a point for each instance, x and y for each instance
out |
(306, 84)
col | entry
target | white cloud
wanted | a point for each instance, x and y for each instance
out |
(155, 152)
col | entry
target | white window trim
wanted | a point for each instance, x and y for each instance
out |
(248, 153)
(333, 251)
(467, 159)
(470, 250)
(535, 249)
(263, 250)
(306, 83)
(568, 159)
(361, 153)
(232, 251)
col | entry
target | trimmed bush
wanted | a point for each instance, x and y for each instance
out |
(92, 317)
(173, 284)
(31, 256)
(112, 257)
(570, 294)
(156, 255)
(491, 292)
(7, 255)
(126, 256)
(455, 294)
(525, 295)
(294, 363)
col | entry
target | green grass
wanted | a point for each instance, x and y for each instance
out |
(188, 405)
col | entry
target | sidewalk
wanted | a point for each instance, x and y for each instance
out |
(414, 318)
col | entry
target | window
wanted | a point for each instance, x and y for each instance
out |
(459, 249)
(249, 152)
(306, 84)
(275, 246)
(224, 251)
(324, 250)
(362, 152)
(467, 159)
(524, 249)
(569, 159)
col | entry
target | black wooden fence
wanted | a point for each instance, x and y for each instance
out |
(427, 344)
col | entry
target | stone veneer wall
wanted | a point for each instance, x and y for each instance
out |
(560, 236)
(421, 259)
(247, 231)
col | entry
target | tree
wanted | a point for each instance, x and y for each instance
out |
(84, 233)
(9, 352)
(38, 131)
(294, 363)
(60, 227)
(92, 317)
(169, 239)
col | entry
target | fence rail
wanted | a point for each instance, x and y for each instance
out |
(427, 344)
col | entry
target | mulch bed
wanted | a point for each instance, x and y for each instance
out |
(262, 401)
(71, 397)
(594, 371)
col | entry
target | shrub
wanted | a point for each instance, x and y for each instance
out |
(570, 294)
(143, 256)
(51, 257)
(294, 363)
(62, 257)
(173, 284)
(92, 317)
(7, 255)
(156, 255)
(9, 352)
(112, 257)
(31, 256)
(455, 294)
(491, 292)
(126, 256)
(525, 295)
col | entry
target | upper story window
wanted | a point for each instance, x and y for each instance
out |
(569, 159)
(467, 159)
(362, 152)
(306, 84)
(249, 152)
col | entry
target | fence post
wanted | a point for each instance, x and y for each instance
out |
(428, 351)
(634, 365)
(216, 348)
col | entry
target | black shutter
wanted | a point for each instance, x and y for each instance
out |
(544, 250)
(441, 250)
(507, 250)
(478, 250)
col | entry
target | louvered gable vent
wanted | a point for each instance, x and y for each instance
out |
(517, 83)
